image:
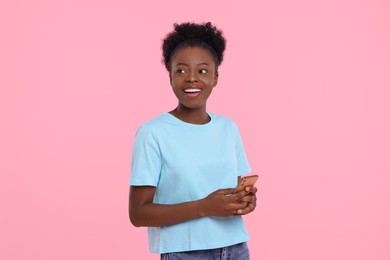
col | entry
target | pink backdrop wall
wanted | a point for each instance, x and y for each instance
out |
(306, 81)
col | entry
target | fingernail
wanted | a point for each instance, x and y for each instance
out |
(247, 189)
(239, 211)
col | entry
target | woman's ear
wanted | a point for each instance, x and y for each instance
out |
(215, 80)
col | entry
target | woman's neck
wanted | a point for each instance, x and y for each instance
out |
(192, 116)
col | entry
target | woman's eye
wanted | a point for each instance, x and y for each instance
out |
(181, 71)
(202, 71)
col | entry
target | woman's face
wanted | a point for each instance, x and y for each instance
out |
(193, 77)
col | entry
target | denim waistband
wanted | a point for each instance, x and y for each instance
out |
(234, 252)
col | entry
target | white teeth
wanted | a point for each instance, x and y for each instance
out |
(192, 90)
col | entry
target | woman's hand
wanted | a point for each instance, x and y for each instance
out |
(250, 199)
(223, 203)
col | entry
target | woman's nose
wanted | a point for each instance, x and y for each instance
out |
(192, 76)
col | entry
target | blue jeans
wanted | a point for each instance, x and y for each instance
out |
(234, 252)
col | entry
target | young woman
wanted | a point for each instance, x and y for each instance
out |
(187, 162)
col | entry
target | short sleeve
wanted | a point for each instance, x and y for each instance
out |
(243, 166)
(146, 159)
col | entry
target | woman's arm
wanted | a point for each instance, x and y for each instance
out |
(143, 212)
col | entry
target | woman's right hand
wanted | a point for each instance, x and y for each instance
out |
(222, 203)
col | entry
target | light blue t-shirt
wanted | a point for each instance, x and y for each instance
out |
(187, 162)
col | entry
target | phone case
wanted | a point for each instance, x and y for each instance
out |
(245, 182)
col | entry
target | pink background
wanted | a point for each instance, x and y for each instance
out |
(306, 81)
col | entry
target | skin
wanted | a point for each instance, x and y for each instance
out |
(190, 67)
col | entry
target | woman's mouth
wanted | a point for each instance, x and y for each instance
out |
(192, 92)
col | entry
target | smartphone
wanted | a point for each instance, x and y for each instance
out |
(245, 182)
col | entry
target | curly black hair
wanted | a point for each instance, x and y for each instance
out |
(203, 35)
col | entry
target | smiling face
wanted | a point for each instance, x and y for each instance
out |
(193, 77)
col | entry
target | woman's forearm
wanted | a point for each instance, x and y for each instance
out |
(157, 215)
(222, 203)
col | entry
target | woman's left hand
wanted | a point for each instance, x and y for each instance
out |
(250, 199)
